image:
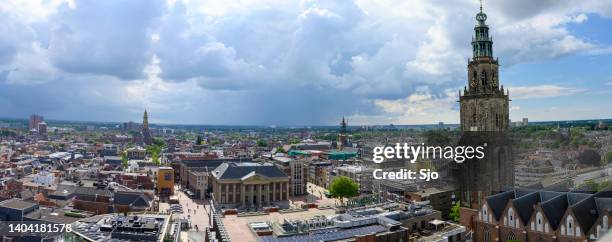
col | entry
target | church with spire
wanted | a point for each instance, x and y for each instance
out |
(484, 103)
(146, 133)
(343, 141)
(484, 119)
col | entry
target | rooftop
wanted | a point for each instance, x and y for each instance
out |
(16, 203)
(240, 170)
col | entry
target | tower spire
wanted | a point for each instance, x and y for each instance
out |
(146, 133)
(481, 6)
(145, 119)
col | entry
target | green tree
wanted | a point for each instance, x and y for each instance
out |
(357, 136)
(262, 143)
(7, 133)
(155, 159)
(437, 137)
(455, 214)
(609, 157)
(280, 149)
(343, 187)
(159, 142)
(154, 150)
(124, 159)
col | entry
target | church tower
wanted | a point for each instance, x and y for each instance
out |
(484, 105)
(484, 117)
(342, 136)
(146, 133)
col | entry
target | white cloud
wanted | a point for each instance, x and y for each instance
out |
(542, 91)
(364, 58)
(421, 107)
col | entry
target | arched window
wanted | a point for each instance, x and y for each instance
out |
(605, 222)
(487, 236)
(539, 222)
(485, 216)
(569, 224)
(511, 217)
(511, 237)
(497, 120)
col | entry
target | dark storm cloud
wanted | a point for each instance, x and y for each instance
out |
(107, 37)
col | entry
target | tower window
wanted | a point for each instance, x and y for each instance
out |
(497, 120)
(483, 78)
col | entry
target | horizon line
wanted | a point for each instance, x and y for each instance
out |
(291, 125)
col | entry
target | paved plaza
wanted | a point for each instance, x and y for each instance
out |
(195, 210)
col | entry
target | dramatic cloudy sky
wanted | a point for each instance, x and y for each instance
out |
(296, 62)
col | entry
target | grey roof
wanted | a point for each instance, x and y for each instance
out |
(16, 203)
(585, 206)
(64, 190)
(137, 199)
(524, 205)
(92, 191)
(554, 209)
(498, 202)
(586, 213)
(26, 194)
(573, 198)
(603, 204)
(51, 215)
(239, 170)
(212, 164)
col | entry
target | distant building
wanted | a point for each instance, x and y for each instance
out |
(34, 121)
(525, 121)
(198, 182)
(143, 227)
(250, 185)
(440, 125)
(136, 153)
(42, 128)
(359, 174)
(299, 176)
(319, 172)
(109, 150)
(165, 181)
(130, 126)
(101, 200)
(440, 199)
(112, 160)
(297, 170)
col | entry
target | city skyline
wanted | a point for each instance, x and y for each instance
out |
(301, 63)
